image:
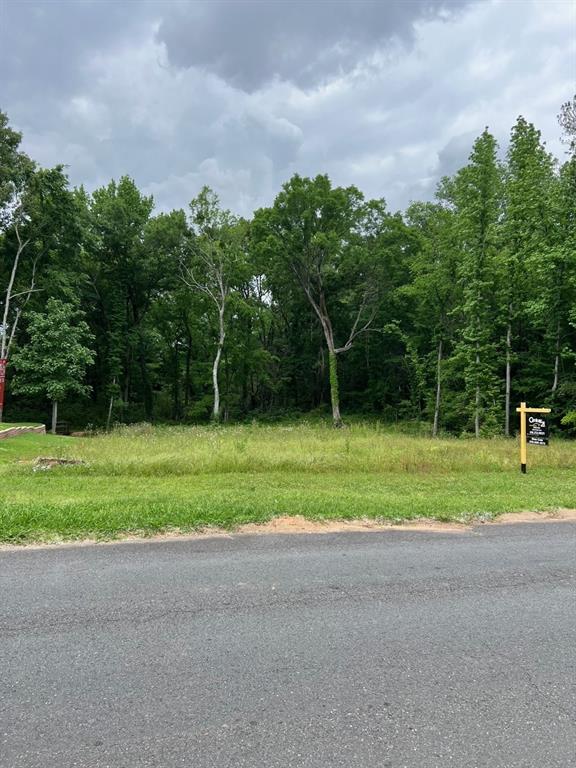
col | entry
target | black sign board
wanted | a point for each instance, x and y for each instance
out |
(537, 430)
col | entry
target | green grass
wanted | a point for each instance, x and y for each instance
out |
(26, 448)
(148, 480)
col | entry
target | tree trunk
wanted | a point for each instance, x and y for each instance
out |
(176, 385)
(187, 370)
(216, 365)
(146, 386)
(508, 380)
(127, 380)
(54, 416)
(334, 389)
(8, 299)
(109, 417)
(438, 390)
(556, 361)
(5, 339)
(320, 393)
(110, 407)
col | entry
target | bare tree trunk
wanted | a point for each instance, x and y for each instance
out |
(110, 407)
(477, 409)
(187, 371)
(5, 339)
(321, 377)
(334, 389)
(54, 416)
(556, 361)
(216, 365)
(321, 310)
(508, 380)
(109, 417)
(438, 391)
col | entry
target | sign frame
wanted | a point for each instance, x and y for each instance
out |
(523, 410)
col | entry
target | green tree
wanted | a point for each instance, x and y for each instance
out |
(326, 240)
(122, 277)
(434, 287)
(555, 271)
(477, 196)
(216, 266)
(526, 234)
(53, 363)
(37, 222)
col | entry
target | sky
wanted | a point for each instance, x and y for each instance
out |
(384, 94)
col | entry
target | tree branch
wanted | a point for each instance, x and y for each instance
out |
(4, 347)
(355, 332)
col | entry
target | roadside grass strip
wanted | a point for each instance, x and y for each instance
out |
(148, 480)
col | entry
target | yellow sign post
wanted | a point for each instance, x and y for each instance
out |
(523, 410)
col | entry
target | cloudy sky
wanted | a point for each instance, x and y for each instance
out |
(240, 94)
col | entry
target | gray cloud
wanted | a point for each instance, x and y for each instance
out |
(43, 42)
(249, 43)
(389, 102)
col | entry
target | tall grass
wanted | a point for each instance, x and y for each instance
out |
(148, 479)
(149, 451)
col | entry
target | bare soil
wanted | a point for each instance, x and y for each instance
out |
(297, 524)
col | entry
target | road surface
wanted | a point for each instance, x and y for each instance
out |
(385, 649)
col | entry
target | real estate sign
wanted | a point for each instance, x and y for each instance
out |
(533, 430)
(537, 432)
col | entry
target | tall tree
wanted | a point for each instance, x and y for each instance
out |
(37, 220)
(554, 269)
(526, 234)
(477, 197)
(15, 171)
(216, 266)
(326, 239)
(122, 277)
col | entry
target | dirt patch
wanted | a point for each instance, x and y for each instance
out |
(47, 462)
(534, 517)
(297, 524)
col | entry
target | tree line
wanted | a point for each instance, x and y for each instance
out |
(448, 313)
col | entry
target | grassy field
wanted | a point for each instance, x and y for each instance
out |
(153, 479)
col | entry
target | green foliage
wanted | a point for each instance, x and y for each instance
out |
(431, 308)
(477, 197)
(53, 362)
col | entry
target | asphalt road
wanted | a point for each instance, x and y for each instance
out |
(388, 649)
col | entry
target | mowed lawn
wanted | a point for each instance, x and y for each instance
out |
(147, 480)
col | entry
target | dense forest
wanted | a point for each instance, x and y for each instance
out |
(449, 313)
